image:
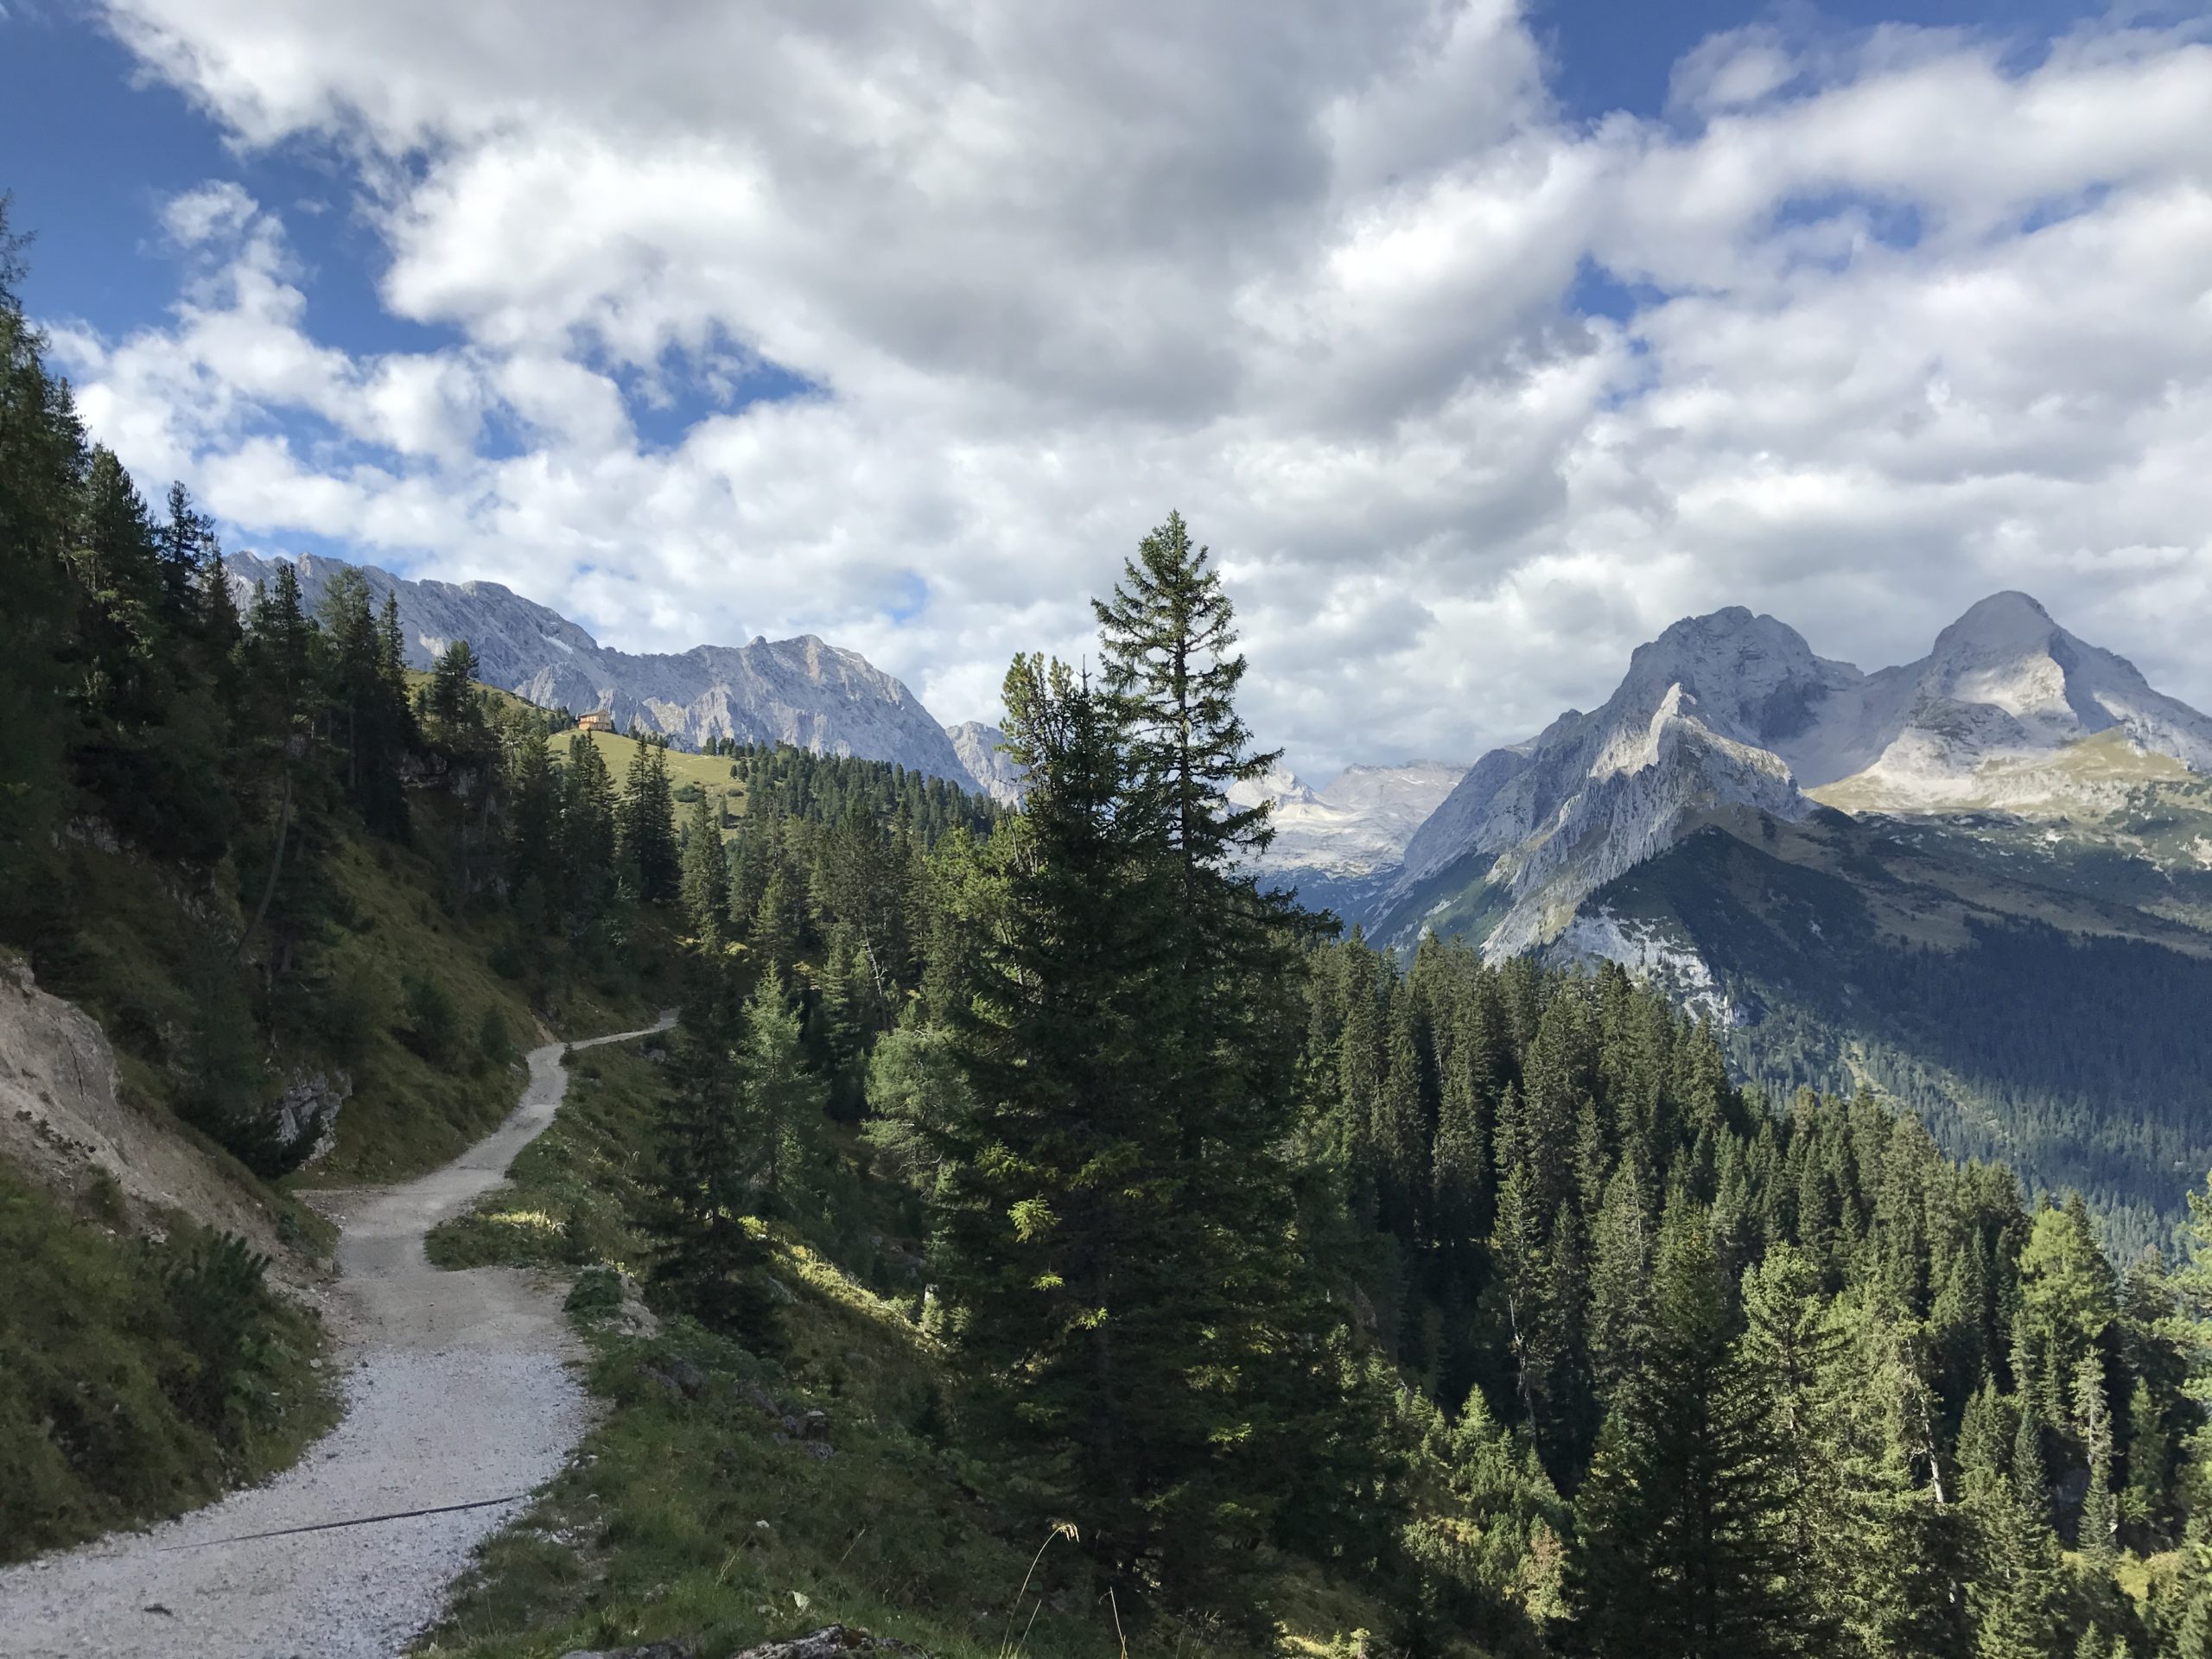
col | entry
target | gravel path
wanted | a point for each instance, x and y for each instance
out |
(460, 1391)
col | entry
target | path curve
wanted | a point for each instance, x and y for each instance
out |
(461, 1390)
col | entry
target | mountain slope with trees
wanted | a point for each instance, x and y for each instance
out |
(1482, 1291)
(1270, 1280)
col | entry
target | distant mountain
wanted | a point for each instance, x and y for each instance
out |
(1338, 846)
(978, 745)
(799, 691)
(1735, 710)
(1979, 883)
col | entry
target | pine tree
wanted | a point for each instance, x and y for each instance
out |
(2099, 1523)
(1620, 1284)
(2068, 1297)
(1168, 636)
(705, 875)
(534, 822)
(2015, 1591)
(1678, 1516)
(705, 1175)
(586, 833)
(1063, 1276)
(453, 692)
(180, 542)
(780, 1100)
(373, 725)
(645, 827)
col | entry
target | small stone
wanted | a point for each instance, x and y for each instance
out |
(831, 1642)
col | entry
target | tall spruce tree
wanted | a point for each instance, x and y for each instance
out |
(586, 833)
(706, 875)
(705, 1176)
(645, 827)
(1056, 1217)
(1679, 1516)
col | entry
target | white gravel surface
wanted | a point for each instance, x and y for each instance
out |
(461, 1390)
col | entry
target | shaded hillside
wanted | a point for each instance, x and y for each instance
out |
(2061, 1033)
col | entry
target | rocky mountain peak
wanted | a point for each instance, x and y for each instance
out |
(1734, 711)
(2005, 622)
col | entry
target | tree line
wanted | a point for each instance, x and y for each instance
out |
(1489, 1285)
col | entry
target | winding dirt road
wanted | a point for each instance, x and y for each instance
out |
(459, 1392)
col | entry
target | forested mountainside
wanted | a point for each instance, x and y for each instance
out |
(309, 900)
(1085, 1188)
(2007, 934)
(1482, 1289)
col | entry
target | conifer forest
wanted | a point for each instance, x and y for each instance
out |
(1249, 1254)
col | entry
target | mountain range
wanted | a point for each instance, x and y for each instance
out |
(1733, 709)
(1978, 883)
(800, 691)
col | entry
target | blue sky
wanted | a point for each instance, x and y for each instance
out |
(1483, 342)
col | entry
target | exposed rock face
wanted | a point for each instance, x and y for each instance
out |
(308, 1106)
(2005, 689)
(61, 1118)
(1735, 710)
(978, 745)
(799, 691)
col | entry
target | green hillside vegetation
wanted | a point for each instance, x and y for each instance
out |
(138, 1376)
(712, 775)
(271, 865)
(2028, 984)
(2057, 1031)
(1075, 1180)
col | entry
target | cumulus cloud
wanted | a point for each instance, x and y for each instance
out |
(1470, 396)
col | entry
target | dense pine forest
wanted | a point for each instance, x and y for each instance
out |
(1252, 1254)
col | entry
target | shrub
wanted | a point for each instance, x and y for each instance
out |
(493, 1041)
(433, 1022)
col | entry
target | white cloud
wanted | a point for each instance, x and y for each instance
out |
(1308, 272)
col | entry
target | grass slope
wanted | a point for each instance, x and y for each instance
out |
(131, 1387)
(717, 1515)
(101, 1363)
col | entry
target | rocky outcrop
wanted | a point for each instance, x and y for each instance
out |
(978, 745)
(308, 1109)
(831, 1642)
(62, 1120)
